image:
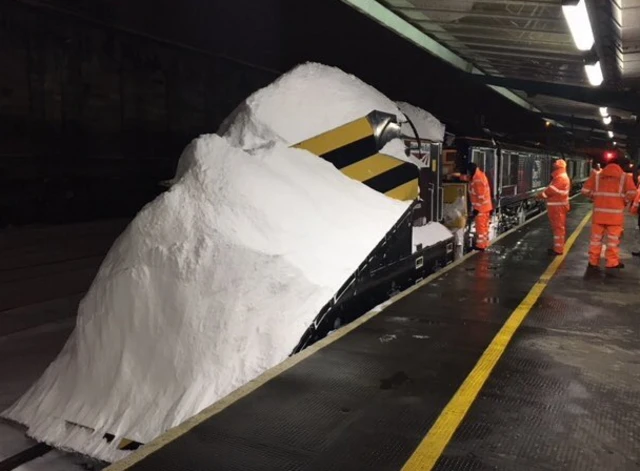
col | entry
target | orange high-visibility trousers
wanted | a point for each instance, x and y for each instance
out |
(558, 220)
(482, 230)
(605, 234)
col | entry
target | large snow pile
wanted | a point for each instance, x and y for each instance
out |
(397, 148)
(217, 279)
(309, 100)
(210, 285)
(426, 124)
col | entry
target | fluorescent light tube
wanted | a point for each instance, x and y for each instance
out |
(610, 133)
(606, 120)
(578, 20)
(594, 74)
(604, 111)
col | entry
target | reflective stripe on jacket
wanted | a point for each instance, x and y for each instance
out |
(557, 193)
(611, 189)
(480, 192)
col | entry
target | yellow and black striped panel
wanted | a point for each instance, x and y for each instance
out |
(353, 149)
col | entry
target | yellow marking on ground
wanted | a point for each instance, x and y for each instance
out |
(179, 430)
(338, 137)
(405, 192)
(370, 167)
(425, 457)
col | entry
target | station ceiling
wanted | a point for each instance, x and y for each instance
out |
(529, 41)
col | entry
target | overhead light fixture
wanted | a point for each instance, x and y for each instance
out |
(615, 143)
(594, 74)
(577, 17)
(610, 133)
(604, 111)
(606, 120)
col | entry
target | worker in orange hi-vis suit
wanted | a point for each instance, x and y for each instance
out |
(611, 190)
(557, 198)
(635, 209)
(480, 195)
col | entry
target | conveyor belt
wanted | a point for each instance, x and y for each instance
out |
(366, 400)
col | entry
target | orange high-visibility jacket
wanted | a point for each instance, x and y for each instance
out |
(635, 207)
(610, 189)
(557, 193)
(480, 192)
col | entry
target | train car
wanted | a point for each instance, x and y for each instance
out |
(516, 175)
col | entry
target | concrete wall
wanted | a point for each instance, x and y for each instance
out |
(92, 118)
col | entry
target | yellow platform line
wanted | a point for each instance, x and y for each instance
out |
(430, 449)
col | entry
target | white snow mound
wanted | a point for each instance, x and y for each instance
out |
(211, 284)
(426, 124)
(307, 101)
(216, 280)
(429, 234)
(397, 148)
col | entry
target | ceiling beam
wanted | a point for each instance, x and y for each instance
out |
(622, 130)
(629, 101)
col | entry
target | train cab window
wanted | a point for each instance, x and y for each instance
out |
(509, 169)
(571, 169)
(478, 158)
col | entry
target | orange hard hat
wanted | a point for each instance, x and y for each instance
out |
(560, 163)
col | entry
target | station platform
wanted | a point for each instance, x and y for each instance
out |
(509, 360)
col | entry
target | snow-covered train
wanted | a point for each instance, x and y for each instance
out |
(516, 175)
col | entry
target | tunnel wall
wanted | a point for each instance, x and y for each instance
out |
(93, 118)
(100, 97)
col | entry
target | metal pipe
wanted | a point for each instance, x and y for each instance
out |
(516, 62)
(549, 78)
(482, 14)
(498, 38)
(521, 2)
(564, 59)
(489, 28)
(568, 52)
(535, 70)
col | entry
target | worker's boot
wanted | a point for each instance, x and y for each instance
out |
(592, 269)
(614, 272)
(553, 252)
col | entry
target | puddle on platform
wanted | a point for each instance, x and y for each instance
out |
(398, 379)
